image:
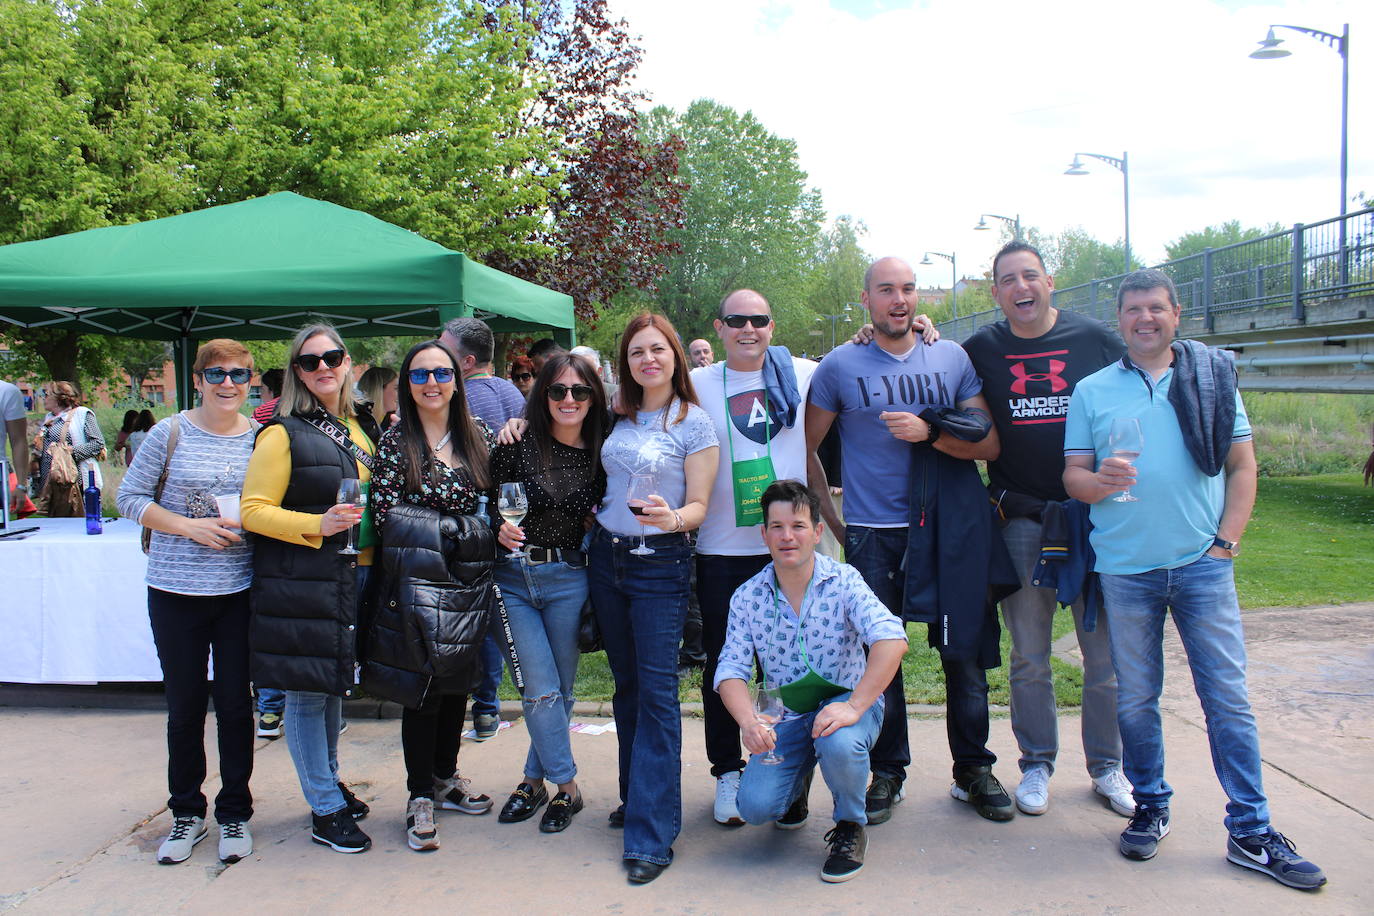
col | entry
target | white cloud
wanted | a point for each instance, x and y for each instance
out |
(917, 118)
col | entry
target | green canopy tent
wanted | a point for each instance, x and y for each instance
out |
(261, 268)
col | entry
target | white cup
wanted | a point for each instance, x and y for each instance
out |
(228, 507)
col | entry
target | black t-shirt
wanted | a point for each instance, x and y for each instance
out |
(1027, 383)
(560, 495)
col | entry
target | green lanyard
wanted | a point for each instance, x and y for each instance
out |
(752, 476)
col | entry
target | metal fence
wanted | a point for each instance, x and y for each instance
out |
(1332, 259)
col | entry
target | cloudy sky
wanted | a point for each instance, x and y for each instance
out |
(917, 117)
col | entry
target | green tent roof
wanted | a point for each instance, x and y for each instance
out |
(260, 269)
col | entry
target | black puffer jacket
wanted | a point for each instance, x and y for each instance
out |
(434, 603)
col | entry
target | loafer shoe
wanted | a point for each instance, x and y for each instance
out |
(523, 802)
(641, 872)
(559, 814)
(616, 819)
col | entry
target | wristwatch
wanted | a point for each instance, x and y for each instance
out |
(1232, 547)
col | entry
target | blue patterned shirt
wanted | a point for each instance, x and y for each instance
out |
(840, 615)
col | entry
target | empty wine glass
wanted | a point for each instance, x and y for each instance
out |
(350, 494)
(642, 486)
(513, 505)
(769, 710)
(1126, 441)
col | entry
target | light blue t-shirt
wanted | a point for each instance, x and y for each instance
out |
(860, 382)
(1178, 508)
(642, 445)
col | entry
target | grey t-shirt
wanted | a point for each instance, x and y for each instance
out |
(642, 445)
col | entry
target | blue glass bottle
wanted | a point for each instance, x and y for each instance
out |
(92, 495)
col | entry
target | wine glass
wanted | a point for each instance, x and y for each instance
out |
(642, 486)
(513, 505)
(350, 494)
(1126, 441)
(768, 710)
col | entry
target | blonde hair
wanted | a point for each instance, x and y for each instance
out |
(295, 396)
(371, 384)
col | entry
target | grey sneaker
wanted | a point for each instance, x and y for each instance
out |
(455, 794)
(235, 841)
(1140, 839)
(484, 727)
(727, 788)
(186, 833)
(421, 833)
(1275, 855)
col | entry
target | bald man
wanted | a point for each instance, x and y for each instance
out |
(700, 353)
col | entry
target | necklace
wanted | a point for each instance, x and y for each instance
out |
(442, 442)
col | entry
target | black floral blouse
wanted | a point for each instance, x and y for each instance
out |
(451, 492)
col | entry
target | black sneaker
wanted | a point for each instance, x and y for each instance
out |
(357, 808)
(269, 725)
(883, 793)
(1140, 839)
(1275, 855)
(339, 832)
(848, 842)
(797, 815)
(982, 790)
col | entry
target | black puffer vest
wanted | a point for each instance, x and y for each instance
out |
(303, 632)
(434, 605)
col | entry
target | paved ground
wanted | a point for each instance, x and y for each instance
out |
(81, 794)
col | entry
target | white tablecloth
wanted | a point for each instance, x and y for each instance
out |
(73, 606)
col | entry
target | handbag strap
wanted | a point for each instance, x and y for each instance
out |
(173, 434)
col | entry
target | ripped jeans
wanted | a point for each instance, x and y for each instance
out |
(544, 603)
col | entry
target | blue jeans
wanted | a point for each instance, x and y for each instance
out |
(1202, 597)
(485, 701)
(312, 736)
(767, 790)
(1029, 615)
(641, 605)
(544, 603)
(270, 699)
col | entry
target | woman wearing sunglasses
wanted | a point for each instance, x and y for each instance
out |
(641, 600)
(432, 470)
(306, 590)
(199, 571)
(559, 462)
(522, 374)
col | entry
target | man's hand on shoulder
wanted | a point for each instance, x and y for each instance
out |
(921, 325)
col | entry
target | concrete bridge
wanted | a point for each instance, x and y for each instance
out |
(1297, 306)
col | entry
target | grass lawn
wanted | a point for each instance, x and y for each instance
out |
(1311, 541)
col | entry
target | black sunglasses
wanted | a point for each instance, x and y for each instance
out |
(739, 321)
(523, 376)
(441, 375)
(311, 361)
(216, 375)
(580, 393)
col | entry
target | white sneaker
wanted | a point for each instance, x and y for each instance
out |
(186, 833)
(421, 832)
(1033, 794)
(727, 788)
(235, 842)
(1116, 789)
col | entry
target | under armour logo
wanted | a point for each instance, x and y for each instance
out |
(1021, 377)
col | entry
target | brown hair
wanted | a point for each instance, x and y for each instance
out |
(520, 364)
(465, 432)
(220, 349)
(66, 394)
(631, 392)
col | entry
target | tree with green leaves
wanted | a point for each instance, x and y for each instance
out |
(750, 220)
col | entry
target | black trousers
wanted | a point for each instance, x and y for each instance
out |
(186, 629)
(717, 579)
(429, 741)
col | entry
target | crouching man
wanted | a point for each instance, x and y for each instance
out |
(807, 619)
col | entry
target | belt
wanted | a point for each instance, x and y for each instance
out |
(540, 555)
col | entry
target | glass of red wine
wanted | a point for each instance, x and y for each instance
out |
(642, 487)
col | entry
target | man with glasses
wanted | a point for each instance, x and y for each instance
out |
(1169, 544)
(912, 418)
(494, 400)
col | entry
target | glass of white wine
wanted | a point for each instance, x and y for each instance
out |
(350, 494)
(513, 506)
(1126, 441)
(769, 710)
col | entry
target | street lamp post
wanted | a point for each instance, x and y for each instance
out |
(1269, 50)
(954, 285)
(1076, 168)
(844, 315)
(1013, 221)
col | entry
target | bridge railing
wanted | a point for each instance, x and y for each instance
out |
(1289, 269)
